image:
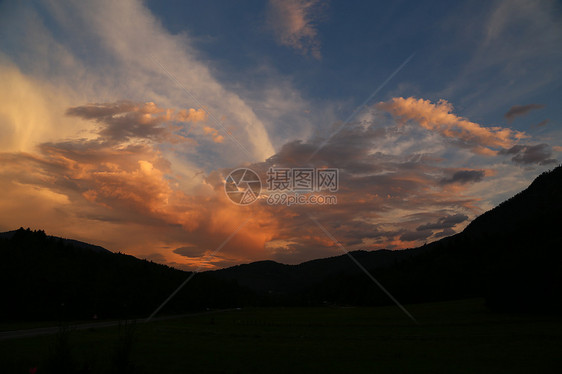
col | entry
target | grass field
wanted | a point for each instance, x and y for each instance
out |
(452, 337)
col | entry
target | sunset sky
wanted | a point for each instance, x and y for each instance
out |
(119, 120)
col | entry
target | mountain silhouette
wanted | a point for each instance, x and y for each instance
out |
(278, 279)
(44, 278)
(510, 255)
(68, 242)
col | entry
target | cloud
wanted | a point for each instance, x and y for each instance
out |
(217, 138)
(415, 235)
(29, 110)
(125, 120)
(520, 110)
(156, 257)
(490, 72)
(444, 233)
(118, 180)
(94, 187)
(396, 191)
(542, 123)
(530, 154)
(379, 193)
(442, 223)
(189, 251)
(122, 184)
(292, 21)
(465, 176)
(440, 119)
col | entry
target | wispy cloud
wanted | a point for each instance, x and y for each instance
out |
(293, 22)
(520, 110)
(542, 123)
(465, 176)
(442, 223)
(126, 120)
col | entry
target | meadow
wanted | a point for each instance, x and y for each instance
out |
(450, 337)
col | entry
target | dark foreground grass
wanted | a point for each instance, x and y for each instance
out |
(452, 337)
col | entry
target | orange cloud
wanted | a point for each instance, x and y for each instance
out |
(439, 118)
(213, 133)
(191, 115)
(293, 24)
(120, 180)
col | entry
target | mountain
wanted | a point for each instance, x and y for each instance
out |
(275, 278)
(44, 278)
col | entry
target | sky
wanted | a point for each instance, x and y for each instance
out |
(120, 121)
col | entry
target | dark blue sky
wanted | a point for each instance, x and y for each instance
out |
(362, 42)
